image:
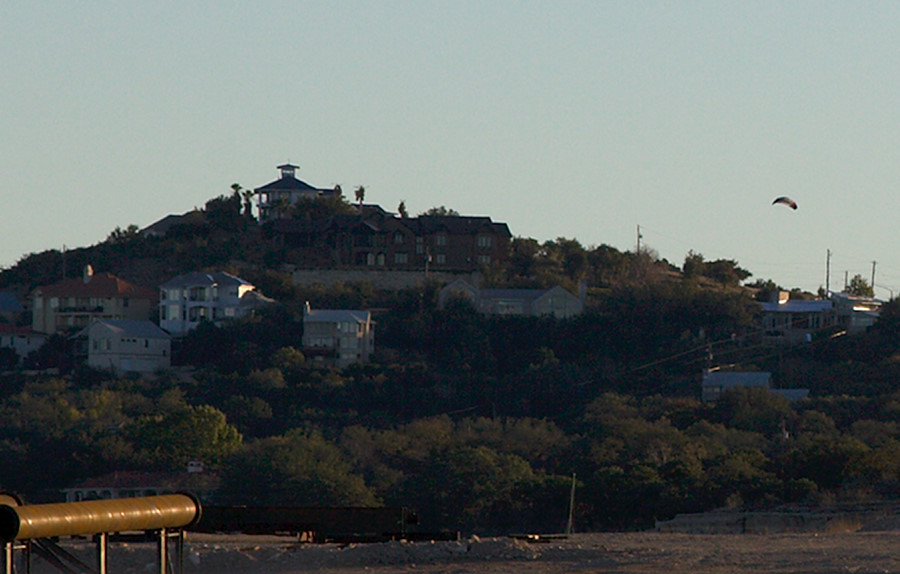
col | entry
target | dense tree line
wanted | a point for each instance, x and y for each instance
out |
(483, 436)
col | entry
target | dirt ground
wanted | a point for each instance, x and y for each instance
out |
(647, 552)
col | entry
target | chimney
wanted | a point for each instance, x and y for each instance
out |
(87, 274)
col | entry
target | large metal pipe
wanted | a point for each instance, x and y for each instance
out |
(98, 516)
(10, 499)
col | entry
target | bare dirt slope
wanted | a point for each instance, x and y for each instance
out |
(850, 552)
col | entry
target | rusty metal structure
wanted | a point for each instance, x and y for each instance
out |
(313, 524)
(165, 515)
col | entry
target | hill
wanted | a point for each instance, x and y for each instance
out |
(478, 422)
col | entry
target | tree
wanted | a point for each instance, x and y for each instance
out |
(401, 209)
(443, 211)
(860, 287)
(693, 264)
(224, 212)
(119, 235)
(360, 194)
(195, 433)
(298, 468)
(247, 197)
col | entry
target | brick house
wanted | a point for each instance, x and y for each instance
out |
(376, 240)
(73, 303)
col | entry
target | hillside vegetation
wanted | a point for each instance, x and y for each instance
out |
(478, 423)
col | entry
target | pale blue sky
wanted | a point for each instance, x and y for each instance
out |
(563, 119)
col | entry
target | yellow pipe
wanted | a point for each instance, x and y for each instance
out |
(97, 516)
(10, 499)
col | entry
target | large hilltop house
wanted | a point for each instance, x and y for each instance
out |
(277, 196)
(378, 240)
(73, 303)
(373, 239)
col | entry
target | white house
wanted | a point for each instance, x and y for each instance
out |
(22, 340)
(794, 321)
(188, 299)
(855, 313)
(126, 346)
(338, 337)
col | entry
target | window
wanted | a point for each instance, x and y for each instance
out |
(398, 238)
(401, 258)
(440, 239)
(485, 241)
(420, 246)
(440, 258)
(484, 259)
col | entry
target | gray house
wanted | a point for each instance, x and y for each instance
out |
(555, 302)
(338, 337)
(717, 383)
(125, 346)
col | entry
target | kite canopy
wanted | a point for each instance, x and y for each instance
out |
(786, 201)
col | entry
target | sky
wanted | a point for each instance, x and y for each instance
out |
(584, 120)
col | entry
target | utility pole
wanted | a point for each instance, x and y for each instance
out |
(827, 272)
(569, 524)
(638, 252)
(873, 276)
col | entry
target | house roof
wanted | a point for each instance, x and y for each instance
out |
(457, 224)
(161, 227)
(9, 302)
(336, 316)
(7, 329)
(519, 294)
(100, 285)
(126, 328)
(737, 379)
(198, 279)
(254, 299)
(798, 306)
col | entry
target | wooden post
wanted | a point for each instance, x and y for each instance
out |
(163, 551)
(102, 540)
